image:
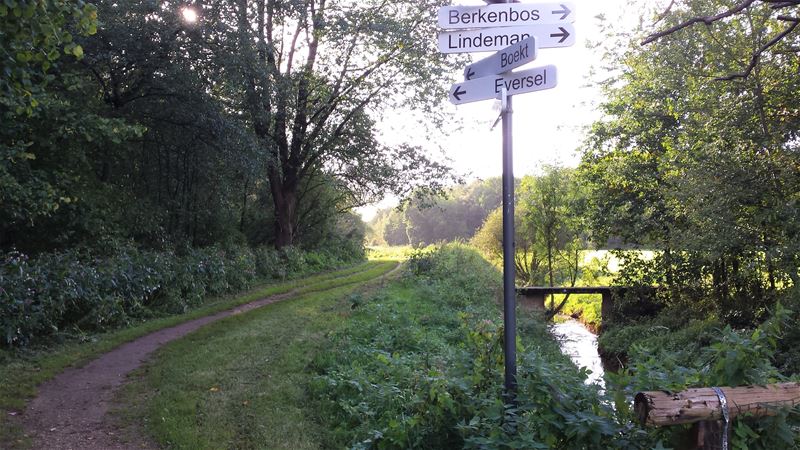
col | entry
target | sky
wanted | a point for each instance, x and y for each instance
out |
(548, 125)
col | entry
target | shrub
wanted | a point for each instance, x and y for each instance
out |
(423, 368)
(77, 291)
(427, 371)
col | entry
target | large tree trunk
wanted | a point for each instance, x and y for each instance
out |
(284, 189)
(285, 218)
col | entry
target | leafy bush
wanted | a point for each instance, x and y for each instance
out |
(75, 291)
(421, 366)
(734, 358)
(585, 307)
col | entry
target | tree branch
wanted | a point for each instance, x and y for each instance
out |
(738, 8)
(708, 20)
(757, 54)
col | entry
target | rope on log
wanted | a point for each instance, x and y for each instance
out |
(660, 408)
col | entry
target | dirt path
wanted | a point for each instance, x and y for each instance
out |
(71, 410)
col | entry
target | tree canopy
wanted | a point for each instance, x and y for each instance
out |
(256, 123)
(702, 170)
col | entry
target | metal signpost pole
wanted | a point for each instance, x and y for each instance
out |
(509, 249)
(516, 32)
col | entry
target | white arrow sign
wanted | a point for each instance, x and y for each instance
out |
(503, 61)
(537, 79)
(491, 39)
(506, 14)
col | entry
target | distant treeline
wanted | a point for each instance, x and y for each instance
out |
(457, 216)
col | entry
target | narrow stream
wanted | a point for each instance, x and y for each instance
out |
(580, 344)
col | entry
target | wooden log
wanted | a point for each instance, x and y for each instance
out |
(659, 408)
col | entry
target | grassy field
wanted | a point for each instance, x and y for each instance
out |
(22, 371)
(396, 252)
(405, 365)
(240, 382)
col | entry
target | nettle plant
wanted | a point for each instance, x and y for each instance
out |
(735, 358)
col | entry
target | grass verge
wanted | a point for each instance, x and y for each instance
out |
(21, 372)
(241, 382)
(340, 367)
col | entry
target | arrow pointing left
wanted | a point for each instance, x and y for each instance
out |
(469, 73)
(457, 93)
(486, 88)
(504, 60)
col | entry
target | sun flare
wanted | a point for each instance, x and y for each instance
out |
(189, 14)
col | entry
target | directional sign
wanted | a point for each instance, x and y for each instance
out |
(507, 59)
(491, 39)
(486, 88)
(506, 14)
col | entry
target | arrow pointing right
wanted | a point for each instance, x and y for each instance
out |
(458, 93)
(564, 11)
(563, 35)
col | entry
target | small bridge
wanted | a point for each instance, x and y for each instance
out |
(645, 304)
(533, 296)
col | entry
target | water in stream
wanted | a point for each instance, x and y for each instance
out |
(581, 345)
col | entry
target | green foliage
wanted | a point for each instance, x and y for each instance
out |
(550, 233)
(705, 173)
(393, 252)
(734, 358)
(683, 340)
(584, 307)
(76, 292)
(22, 370)
(140, 142)
(422, 367)
(34, 36)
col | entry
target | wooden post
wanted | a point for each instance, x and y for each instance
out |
(606, 306)
(659, 408)
(533, 301)
(704, 408)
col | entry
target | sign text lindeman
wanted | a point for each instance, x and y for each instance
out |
(491, 39)
(484, 41)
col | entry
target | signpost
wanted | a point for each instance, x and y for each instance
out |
(487, 88)
(505, 14)
(492, 39)
(516, 31)
(507, 59)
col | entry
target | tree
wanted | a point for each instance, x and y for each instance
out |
(687, 20)
(311, 76)
(703, 171)
(34, 36)
(550, 238)
(552, 205)
(45, 133)
(529, 260)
